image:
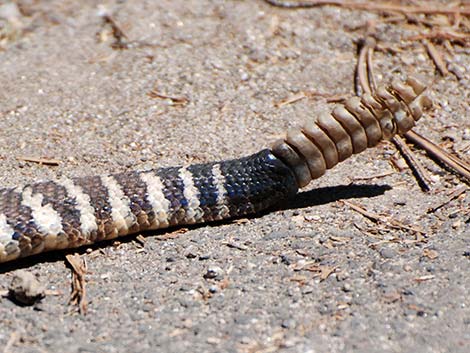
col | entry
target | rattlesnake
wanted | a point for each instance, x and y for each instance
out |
(72, 212)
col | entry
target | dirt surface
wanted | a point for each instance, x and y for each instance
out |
(315, 276)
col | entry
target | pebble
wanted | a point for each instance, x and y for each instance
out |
(244, 76)
(214, 272)
(276, 235)
(286, 259)
(466, 134)
(387, 253)
(213, 340)
(326, 309)
(258, 55)
(25, 288)
(307, 290)
(406, 291)
(300, 244)
(190, 254)
(187, 303)
(289, 323)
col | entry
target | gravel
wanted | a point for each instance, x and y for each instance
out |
(67, 94)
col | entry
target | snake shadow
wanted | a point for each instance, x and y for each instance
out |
(329, 194)
(311, 198)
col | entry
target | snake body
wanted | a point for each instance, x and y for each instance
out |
(71, 212)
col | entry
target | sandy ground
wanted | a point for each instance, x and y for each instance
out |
(314, 276)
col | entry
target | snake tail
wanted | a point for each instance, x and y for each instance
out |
(72, 212)
(350, 128)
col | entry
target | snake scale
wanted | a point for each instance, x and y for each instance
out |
(71, 212)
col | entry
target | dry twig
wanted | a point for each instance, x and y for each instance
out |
(79, 269)
(140, 239)
(119, 36)
(234, 245)
(322, 271)
(442, 35)
(40, 160)
(330, 98)
(375, 6)
(365, 79)
(364, 76)
(436, 57)
(417, 168)
(454, 163)
(388, 221)
(290, 100)
(172, 235)
(11, 342)
(424, 278)
(452, 196)
(375, 176)
(175, 100)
